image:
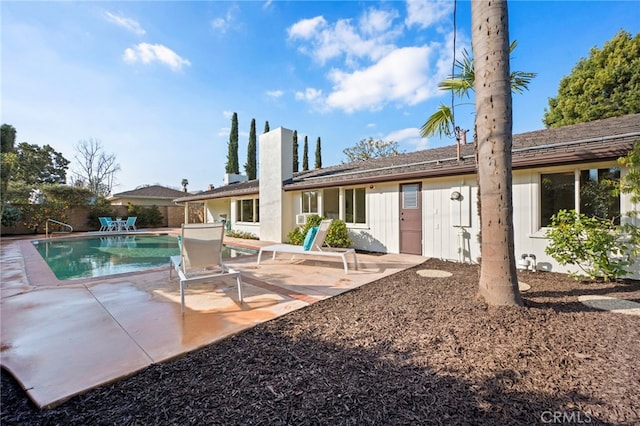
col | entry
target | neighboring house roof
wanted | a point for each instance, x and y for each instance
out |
(600, 140)
(152, 191)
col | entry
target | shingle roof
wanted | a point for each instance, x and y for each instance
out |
(152, 191)
(597, 140)
(233, 190)
(605, 139)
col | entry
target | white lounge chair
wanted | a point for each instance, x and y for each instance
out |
(316, 248)
(200, 257)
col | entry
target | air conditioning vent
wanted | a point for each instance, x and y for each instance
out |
(301, 219)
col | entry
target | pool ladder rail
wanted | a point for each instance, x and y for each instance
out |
(65, 225)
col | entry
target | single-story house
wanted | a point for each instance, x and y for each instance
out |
(425, 202)
(152, 195)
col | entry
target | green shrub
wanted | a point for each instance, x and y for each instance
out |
(11, 215)
(596, 246)
(101, 208)
(338, 236)
(146, 216)
(241, 234)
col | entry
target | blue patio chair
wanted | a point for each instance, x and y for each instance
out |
(130, 224)
(106, 224)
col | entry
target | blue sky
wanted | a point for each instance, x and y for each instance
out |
(157, 82)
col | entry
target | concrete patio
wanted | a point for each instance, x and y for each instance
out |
(61, 338)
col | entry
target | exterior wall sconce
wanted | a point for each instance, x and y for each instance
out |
(456, 196)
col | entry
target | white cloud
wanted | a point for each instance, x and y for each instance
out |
(310, 95)
(127, 23)
(226, 22)
(307, 28)
(401, 76)
(227, 114)
(424, 13)
(275, 93)
(148, 53)
(370, 39)
(376, 21)
(410, 136)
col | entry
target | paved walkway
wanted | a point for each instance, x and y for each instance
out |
(61, 338)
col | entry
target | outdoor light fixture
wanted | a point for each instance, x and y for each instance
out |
(456, 196)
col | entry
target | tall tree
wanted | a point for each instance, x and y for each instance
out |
(368, 148)
(233, 165)
(7, 159)
(318, 164)
(184, 183)
(630, 183)
(295, 151)
(37, 165)
(305, 155)
(96, 169)
(607, 84)
(250, 167)
(493, 122)
(266, 127)
(461, 83)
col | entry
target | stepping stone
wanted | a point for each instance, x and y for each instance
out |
(606, 303)
(523, 286)
(433, 273)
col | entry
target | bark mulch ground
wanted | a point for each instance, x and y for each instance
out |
(403, 350)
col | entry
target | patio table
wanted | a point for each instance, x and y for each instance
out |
(120, 224)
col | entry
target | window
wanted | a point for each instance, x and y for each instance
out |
(596, 193)
(310, 202)
(355, 205)
(247, 210)
(410, 196)
(331, 203)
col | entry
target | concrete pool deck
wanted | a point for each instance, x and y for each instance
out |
(62, 338)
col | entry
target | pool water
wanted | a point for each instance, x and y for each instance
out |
(109, 255)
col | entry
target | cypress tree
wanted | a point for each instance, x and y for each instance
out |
(295, 150)
(232, 156)
(250, 167)
(305, 155)
(266, 127)
(318, 154)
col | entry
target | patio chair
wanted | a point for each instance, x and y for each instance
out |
(106, 224)
(200, 257)
(130, 224)
(314, 245)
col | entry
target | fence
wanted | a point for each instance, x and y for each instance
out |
(78, 218)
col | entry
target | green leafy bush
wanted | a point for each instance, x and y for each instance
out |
(147, 216)
(596, 246)
(101, 208)
(11, 215)
(338, 236)
(241, 234)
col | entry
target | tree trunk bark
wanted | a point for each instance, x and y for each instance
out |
(490, 39)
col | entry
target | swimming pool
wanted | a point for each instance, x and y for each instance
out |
(75, 258)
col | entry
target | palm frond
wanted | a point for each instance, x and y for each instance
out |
(520, 80)
(440, 123)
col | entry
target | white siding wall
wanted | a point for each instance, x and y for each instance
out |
(380, 234)
(442, 238)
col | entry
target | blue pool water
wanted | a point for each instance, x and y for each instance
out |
(76, 258)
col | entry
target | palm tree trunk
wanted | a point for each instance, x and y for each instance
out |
(493, 122)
